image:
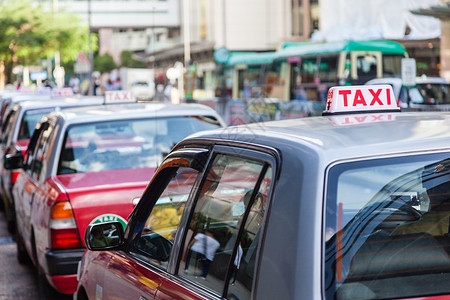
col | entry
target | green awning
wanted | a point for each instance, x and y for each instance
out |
(250, 58)
(308, 49)
(224, 56)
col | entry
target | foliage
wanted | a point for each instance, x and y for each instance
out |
(29, 32)
(104, 63)
(127, 60)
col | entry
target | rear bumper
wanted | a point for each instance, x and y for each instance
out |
(65, 284)
(61, 269)
(63, 262)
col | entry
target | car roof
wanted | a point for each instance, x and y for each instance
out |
(60, 102)
(25, 97)
(135, 110)
(344, 136)
(427, 79)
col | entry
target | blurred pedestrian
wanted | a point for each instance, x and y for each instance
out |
(47, 84)
(203, 248)
(74, 83)
(19, 83)
(159, 95)
(109, 86)
(168, 93)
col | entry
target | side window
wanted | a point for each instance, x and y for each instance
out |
(156, 238)
(366, 66)
(7, 127)
(218, 213)
(32, 148)
(308, 69)
(243, 274)
(41, 150)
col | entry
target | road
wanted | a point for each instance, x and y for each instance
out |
(17, 282)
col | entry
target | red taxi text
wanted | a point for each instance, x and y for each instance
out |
(358, 98)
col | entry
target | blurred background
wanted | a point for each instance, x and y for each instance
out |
(224, 53)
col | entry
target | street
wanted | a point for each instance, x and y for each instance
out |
(16, 281)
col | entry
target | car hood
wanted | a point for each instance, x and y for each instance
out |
(103, 196)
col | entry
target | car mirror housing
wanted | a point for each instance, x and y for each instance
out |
(13, 161)
(104, 236)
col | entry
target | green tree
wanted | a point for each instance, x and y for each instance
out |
(29, 33)
(127, 60)
(104, 63)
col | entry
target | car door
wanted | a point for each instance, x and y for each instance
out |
(219, 240)
(32, 184)
(137, 272)
(21, 192)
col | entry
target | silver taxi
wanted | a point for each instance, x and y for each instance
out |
(351, 205)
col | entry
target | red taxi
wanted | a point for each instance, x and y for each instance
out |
(90, 165)
(351, 205)
(20, 120)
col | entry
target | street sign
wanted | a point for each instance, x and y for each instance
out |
(409, 71)
(81, 67)
(41, 75)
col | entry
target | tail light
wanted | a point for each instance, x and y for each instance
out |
(14, 175)
(63, 228)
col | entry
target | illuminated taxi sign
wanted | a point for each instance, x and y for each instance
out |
(62, 92)
(360, 98)
(112, 97)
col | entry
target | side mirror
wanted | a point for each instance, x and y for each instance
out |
(104, 236)
(13, 161)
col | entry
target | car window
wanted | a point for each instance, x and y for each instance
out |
(386, 228)
(214, 225)
(154, 243)
(244, 267)
(435, 93)
(366, 66)
(8, 127)
(29, 121)
(125, 144)
(415, 96)
(40, 154)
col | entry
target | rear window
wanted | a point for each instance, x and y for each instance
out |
(386, 228)
(125, 144)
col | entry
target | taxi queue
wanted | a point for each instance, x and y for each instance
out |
(350, 205)
(87, 161)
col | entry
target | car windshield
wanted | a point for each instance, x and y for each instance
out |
(125, 144)
(386, 228)
(435, 93)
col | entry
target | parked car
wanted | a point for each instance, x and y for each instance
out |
(90, 165)
(313, 208)
(10, 99)
(406, 96)
(435, 90)
(18, 127)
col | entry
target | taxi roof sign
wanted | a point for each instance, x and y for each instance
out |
(360, 99)
(116, 97)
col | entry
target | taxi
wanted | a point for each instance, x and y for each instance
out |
(89, 165)
(19, 125)
(349, 205)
